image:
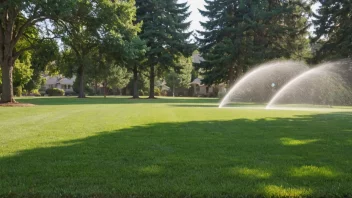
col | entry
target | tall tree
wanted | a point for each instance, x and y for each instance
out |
(17, 18)
(134, 61)
(333, 29)
(240, 34)
(118, 78)
(180, 78)
(45, 54)
(94, 24)
(164, 30)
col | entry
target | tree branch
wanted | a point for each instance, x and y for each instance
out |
(18, 53)
(32, 20)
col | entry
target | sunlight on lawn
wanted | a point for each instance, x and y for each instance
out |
(280, 191)
(151, 170)
(249, 172)
(312, 171)
(294, 142)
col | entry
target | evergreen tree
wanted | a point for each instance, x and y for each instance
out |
(240, 34)
(164, 30)
(333, 29)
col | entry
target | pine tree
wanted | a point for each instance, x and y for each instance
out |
(240, 34)
(333, 29)
(164, 30)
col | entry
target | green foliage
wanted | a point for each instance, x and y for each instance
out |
(35, 92)
(18, 91)
(182, 78)
(35, 82)
(42, 59)
(333, 30)
(240, 34)
(20, 30)
(76, 87)
(22, 70)
(55, 92)
(118, 77)
(157, 91)
(141, 93)
(95, 28)
(164, 30)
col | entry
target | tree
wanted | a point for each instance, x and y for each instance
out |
(22, 70)
(240, 34)
(94, 24)
(45, 54)
(333, 30)
(135, 53)
(164, 30)
(17, 20)
(118, 78)
(182, 78)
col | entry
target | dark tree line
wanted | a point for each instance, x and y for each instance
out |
(102, 39)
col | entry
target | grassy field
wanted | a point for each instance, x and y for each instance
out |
(171, 148)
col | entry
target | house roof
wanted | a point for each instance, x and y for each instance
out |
(67, 81)
(53, 80)
(196, 81)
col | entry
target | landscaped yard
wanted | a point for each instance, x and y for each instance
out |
(171, 147)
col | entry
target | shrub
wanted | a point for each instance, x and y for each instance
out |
(18, 91)
(157, 92)
(35, 92)
(55, 92)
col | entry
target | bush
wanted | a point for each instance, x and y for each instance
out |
(18, 91)
(55, 92)
(157, 92)
(35, 92)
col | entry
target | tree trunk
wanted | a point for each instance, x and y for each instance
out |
(7, 84)
(151, 80)
(81, 83)
(135, 83)
(7, 56)
(120, 90)
(173, 91)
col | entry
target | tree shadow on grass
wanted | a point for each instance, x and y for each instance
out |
(302, 156)
(111, 100)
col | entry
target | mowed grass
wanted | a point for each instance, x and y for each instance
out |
(118, 147)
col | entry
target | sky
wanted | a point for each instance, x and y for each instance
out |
(196, 16)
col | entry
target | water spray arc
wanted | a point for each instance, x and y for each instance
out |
(258, 83)
(326, 84)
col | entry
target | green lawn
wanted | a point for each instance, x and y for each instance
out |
(171, 148)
